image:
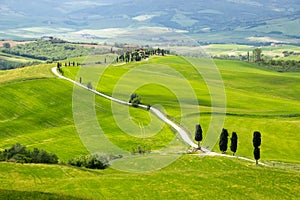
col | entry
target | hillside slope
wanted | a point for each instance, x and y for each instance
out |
(36, 110)
(190, 177)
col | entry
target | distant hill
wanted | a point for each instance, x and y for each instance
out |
(219, 21)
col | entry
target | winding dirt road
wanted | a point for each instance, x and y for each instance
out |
(155, 111)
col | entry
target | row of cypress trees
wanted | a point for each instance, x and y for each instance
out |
(223, 142)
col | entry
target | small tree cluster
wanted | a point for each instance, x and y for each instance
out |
(135, 100)
(95, 161)
(18, 153)
(234, 142)
(68, 64)
(223, 143)
(141, 149)
(140, 53)
(59, 65)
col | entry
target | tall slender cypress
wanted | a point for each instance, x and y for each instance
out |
(256, 143)
(234, 140)
(223, 140)
(198, 135)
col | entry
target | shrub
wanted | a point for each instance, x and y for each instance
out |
(141, 149)
(41, 156)
(89, 85)
(135, 100)
(95, 161)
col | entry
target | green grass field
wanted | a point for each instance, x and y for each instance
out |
(257, 99)
(36, 111)
(190, 177)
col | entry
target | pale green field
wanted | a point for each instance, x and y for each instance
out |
(236, 50)
(257, 99)
(190, 177)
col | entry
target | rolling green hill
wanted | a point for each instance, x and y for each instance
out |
(257, 99)
(36, 110)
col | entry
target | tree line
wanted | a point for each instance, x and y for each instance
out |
(276, 63)
(139, 54)
(223, 141)
(6, 65)
(50, 51)
(19, 154)
(94, 161)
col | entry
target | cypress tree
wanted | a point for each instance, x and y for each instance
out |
(198, 135)
(234, 140)
(256, 139)
(256, 143)
(223, 140)
(256, 154)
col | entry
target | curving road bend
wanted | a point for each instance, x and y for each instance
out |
(155, 111)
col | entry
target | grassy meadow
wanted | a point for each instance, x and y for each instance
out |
(190, 177)
(257, 99)
(37, 108)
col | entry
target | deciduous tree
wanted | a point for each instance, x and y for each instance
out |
(257, 54)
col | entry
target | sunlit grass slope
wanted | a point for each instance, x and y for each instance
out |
(36, 110)
(190, 177)
(257, 99)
